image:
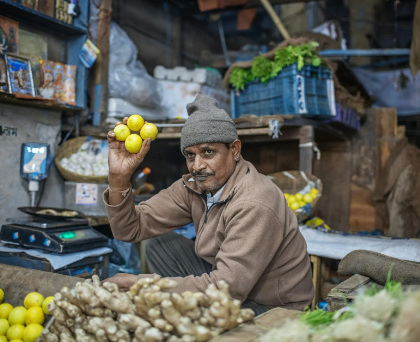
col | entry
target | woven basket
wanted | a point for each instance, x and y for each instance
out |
(65, 151)
(294, 181)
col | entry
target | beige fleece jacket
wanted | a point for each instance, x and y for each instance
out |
(250, 236)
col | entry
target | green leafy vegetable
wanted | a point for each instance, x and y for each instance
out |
(263, 69)
(239, 77)
(317, 318)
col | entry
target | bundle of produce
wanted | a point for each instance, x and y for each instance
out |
(23, 323)
(264, 69)
(387, 315)
(95, 312)
(293, 50)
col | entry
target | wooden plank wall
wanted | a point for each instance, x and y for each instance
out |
(334, 170)
(371, 148)
(147, 24)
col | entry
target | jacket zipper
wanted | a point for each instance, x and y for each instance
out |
(207, 210)
(205, 204)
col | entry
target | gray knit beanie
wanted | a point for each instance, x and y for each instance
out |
(207, 124)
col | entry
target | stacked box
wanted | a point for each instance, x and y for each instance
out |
(309, 91)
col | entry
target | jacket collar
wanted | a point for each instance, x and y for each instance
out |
(241, 169)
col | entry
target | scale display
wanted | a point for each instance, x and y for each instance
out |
(34, 161)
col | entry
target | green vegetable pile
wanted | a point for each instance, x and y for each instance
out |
(263, 69)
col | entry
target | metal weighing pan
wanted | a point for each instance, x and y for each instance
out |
(33, 211)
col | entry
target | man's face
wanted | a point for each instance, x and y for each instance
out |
(211, 164)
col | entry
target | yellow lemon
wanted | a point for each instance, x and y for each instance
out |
(5, 309)
(121, 132)
(33, 299)
(292, 199)
(34, 315)
(135, 122)
(32, 332)
(45, 304)
(302, 203)
(308, 198)
(16, 340)
(299, 197)
(294, 206)
(133, 143)
(286, 195)
(149, 130)
(17, 315)
(3, 339)
(4, 326)
(1, 296)
(15, 332)
(314, 192)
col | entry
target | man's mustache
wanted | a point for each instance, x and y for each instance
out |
(203, 174)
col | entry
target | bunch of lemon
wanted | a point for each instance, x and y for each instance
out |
(299, 200)
(133, 141)
(23, 323)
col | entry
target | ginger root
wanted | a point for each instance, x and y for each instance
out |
(92, 311)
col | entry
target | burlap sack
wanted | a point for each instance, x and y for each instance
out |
(376, 266)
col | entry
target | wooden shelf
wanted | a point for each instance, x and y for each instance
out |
(9, 98)
(250, 131)
(24, 14)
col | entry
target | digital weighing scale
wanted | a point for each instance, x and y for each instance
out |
(56, 234)
(50, 235)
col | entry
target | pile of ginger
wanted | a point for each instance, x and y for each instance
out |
(147, 313)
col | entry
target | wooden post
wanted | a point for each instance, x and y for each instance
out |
(306, 145)
(100, 68)
(276, 19)
(316, 276)
(386, 133)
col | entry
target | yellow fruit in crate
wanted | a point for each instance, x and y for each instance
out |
(4, 326)
(34, 315)
(32, 332)
(135, 122)
(133, 143)
(5, 309)
(17, 315)
(1, 296)
(3, 339)
(302, 203)
(16, 340)
(314, 192)
(292, 199)
(15, 332)
(294, 206)
(149, 130)
(121, 132)
(33, 299)
(308, 198)
(45, 304)
(286, 195)
(299, 197)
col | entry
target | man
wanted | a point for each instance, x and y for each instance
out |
(246, 234)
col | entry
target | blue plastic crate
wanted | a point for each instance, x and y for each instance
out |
(292, 91)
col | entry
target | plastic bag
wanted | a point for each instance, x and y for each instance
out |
(124, 259)
(128, 78)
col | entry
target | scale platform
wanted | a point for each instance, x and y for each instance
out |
(54, 236)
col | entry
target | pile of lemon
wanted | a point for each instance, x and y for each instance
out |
(133, 141)
(299, 200)
(23, 324)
